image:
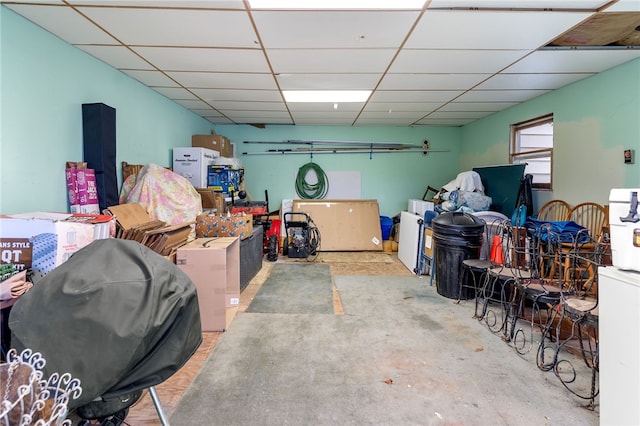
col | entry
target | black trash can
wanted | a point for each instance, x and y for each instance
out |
(457, 236)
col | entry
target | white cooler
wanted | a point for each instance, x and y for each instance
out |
(624, 220)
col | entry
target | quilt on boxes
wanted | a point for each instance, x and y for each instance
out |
(165, 195)
(213, 225)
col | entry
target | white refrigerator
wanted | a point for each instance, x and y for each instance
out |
(619, 350)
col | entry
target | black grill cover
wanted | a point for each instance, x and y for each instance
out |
(116, 315)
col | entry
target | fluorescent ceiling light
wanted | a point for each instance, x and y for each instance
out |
(336, 4)
(333, 96)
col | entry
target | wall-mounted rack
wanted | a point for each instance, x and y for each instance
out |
(341, 147)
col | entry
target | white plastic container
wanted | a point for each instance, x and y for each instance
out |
(419, 207)
(624, 220)
(192, 163)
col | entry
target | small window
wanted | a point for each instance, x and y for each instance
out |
(532, 143)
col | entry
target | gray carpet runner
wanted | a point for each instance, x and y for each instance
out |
(295, 288)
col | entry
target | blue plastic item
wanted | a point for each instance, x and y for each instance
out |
(386, 223)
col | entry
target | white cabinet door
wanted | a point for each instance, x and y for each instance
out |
(408, 244)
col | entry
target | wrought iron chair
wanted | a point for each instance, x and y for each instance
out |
(579, 309)
(539, 294)
(500, 280)
(474, 270)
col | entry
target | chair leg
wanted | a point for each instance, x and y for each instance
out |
(156, 402)
(548, 346)
(566, 372)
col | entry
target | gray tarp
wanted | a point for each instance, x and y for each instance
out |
(116, 315)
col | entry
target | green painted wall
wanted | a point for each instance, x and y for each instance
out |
(44, 82)
(595, 119)
(392, 179)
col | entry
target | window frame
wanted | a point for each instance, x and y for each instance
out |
(515, 154)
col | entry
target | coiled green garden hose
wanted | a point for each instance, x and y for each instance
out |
(310, 191)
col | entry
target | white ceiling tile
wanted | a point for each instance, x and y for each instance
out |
(402, 106)
(455, 61)
(204, 59)
(401, 115)
(175, 27)
(200, 4)
(64, 22)
(328, 81)
(191, 104)
(322, 121)
(530, 81)
(116, 56)
(238, 95)
(59, 2)
(500, 95)
(209, 58)
(624, 6)
(151, 78)
(415, 96)
(573, 61)
(459, 114)
(383, 122)
(212, 80)
(332, 29)
(256, 115)
(251, 106)
(329, 60)
(477, 106)
(460, 29)
(443, 122)
(522, 4)
(175, 93)
(431, 81)
(207, 112)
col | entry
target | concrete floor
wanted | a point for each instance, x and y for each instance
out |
(399, 354)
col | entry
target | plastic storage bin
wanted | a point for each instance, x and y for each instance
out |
(457, 236)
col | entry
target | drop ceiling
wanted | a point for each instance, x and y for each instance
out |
(449, 63)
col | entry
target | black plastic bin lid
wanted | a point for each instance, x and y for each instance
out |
(458, 224)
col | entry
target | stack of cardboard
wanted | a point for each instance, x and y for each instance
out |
(134, 223)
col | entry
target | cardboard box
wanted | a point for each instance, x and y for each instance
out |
(134, 223)
(88, 191)
(71, 176)
(42, 241)
(223, 178)
(216, 142)
(344, 225)
(192, 163)
(212, 200)
(215, 225)
(428, 242)
(213, 264)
